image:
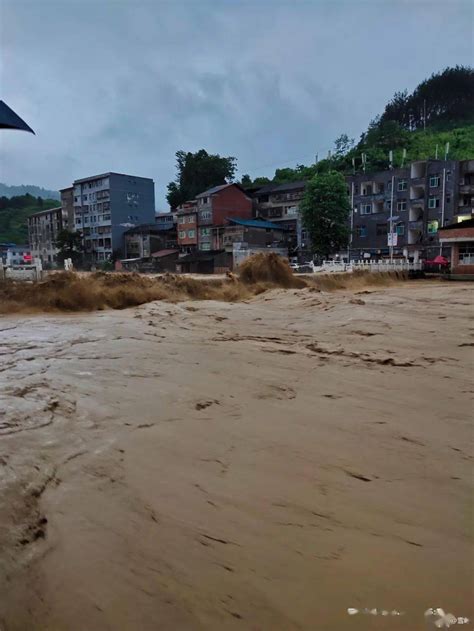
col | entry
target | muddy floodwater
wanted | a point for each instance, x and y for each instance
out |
(261, 465)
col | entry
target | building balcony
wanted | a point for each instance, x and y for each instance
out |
(207, 221)
(417, 192)
(466, 189)
(415, 226)
(418, 170)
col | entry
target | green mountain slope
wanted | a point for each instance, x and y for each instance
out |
(14, 213)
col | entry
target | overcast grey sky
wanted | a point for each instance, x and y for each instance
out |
(121, 85)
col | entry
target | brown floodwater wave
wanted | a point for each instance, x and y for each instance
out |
(69, 291)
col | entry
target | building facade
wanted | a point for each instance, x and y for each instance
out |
(107, 205)
(400, 211)
(214, 207)
(280, 203)
(252, 232)
(12, 254)
(459, 237)
(43, 230)
(187, 226)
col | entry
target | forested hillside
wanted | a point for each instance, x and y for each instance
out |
(14, 213)
(418, 125)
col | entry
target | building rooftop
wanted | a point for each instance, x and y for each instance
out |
(43, 212)
(216, 189)
(281, 188)
(162, 253)
(256, 223)
(101, 175)
(144, 228)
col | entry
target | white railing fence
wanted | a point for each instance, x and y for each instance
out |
(384, 265)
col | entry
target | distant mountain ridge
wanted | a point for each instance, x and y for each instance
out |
(23, 189)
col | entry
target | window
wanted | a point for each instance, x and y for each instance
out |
(400, 229)
(388, 204)
(366, 209)
(402, 204)
(191, 219)
(381, 229)
(85, 196)
(448, 199)
(466, 254)
(204, 200)
(435, 181)
(361, 231)
(78, 221)
(402, 185)
(205, 246)
(389, 186)
(205, 214)
(432, 227)
(181, 219)
(433, 202)
(106, 217)
(448, 175)
(367, 190)
(205, 232)
(191, 234)
(182, 234)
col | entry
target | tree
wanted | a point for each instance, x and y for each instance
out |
(69, 246)
(261, 181)
(246, 180)
(325, 211)
(342, 145)
(445, 98)
(197, 172)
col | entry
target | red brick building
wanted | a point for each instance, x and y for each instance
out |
(460, 236)
(216, 205)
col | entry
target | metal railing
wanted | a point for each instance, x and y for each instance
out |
(384, 265)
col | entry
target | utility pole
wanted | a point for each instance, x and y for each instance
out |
(443, 201)
(352, 223)
(391, 218)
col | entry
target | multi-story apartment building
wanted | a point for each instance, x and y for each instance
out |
(401, 210)
(67, 204)
(279, 203)
(214, 207)
(43, 230)
(187, 226)
(201, 221)
(466, 190)
(107, 205)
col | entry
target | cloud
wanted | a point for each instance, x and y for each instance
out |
(123, 85)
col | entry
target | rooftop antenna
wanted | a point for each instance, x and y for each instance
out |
(404, 155)
(390, 159)
(316, 159)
